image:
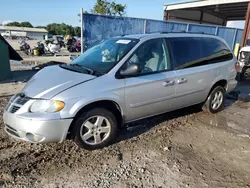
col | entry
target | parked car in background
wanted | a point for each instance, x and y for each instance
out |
(244, 61)
(121, 80)
(15, 34)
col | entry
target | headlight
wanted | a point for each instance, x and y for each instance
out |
(243, 55)
(47, 106)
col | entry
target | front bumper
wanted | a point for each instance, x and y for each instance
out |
(36, 131)
(243, 65)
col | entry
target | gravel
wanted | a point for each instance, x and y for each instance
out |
(185, 148)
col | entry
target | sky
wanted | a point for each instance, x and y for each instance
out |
(43, 12)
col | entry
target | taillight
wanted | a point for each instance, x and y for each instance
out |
(237, 67)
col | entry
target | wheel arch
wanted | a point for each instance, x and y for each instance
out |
(110, 105)
(220, 82)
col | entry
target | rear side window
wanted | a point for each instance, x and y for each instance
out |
(197, 51)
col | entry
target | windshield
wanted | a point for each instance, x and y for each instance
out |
(104, 56)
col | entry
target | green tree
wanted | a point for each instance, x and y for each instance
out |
(40, 26)
(26, 24)
(77, 31)
(22, 24)
(63, 29)
(17, 24)
(51, 29)
(105, 7)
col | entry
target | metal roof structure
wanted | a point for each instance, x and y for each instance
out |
(216, 12)
(23, 29)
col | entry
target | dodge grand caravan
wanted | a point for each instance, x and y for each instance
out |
(120, 80)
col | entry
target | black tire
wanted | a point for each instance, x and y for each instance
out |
(70, 49)
(84, 117)
(241, 76)
(208, 106)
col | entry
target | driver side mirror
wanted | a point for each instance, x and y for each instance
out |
(131, 70)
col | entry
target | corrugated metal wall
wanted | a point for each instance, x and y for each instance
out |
(99, 27)
(36, 35)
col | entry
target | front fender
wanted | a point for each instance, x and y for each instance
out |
(81, 102)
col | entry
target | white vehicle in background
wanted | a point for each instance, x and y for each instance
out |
(13, 34)
(244, 61)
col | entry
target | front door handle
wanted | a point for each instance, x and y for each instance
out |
(168, 83)
(182, 81)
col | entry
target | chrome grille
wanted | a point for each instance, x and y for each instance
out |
(16, 103)
(22, 100)
(14, 109)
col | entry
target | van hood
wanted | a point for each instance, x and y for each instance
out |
(245, 49)
(52, 80)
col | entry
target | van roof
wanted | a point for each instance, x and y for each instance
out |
(173, 34)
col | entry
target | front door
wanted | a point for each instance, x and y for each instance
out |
(152, 91)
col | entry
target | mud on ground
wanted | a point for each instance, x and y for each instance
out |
(186, 148)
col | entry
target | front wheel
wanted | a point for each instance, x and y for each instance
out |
(215, 100)
(95, 129)
(244, 74)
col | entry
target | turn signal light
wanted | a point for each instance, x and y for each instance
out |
(237, 67)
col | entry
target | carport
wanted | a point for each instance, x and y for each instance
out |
(211, 12)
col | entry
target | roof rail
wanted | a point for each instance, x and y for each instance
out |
(187, 32)
(172, 32)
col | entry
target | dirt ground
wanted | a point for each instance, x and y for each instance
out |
(185, 148)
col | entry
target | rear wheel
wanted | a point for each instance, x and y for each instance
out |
(95, 129)
(215, 100)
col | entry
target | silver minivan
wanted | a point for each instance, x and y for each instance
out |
(121, 80)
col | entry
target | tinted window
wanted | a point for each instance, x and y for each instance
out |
(151, 56)
(190, 52)
(215, 51)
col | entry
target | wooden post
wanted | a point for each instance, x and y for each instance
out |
(246, 28)
(166, 15)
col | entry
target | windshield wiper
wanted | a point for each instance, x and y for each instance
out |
(81, 66)
(91, 71)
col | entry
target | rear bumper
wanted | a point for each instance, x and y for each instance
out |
(36, 131)
(231, 85)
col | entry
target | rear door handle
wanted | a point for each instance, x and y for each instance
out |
(182, 81)
(168, 83)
